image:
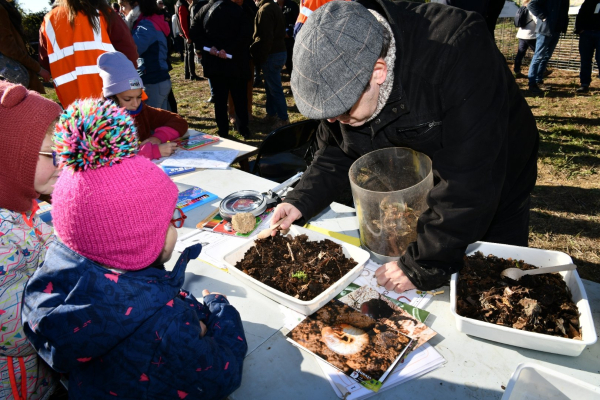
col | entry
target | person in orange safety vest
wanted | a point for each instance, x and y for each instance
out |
(307, 7)
(72, 36)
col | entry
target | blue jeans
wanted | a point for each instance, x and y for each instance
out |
(588, 42)
(271, 69)
(544, 47)
(158, 94)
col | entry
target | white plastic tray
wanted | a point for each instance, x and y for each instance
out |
(516, 337)
(534, 382)
(305, 307)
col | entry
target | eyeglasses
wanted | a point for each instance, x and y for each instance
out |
(48, 154)
(178, 218)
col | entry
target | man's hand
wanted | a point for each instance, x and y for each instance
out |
(392, 277)
(213, 51)
(222, 54)
(166, 149)
(288, 213)
(153, 140)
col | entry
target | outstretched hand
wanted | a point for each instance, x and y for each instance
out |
(286, 212)
(391, 277)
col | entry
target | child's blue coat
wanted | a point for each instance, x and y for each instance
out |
(134, 335)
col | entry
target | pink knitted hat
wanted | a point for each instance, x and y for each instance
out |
(109, 204)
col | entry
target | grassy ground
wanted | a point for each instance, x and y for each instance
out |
(565, 213)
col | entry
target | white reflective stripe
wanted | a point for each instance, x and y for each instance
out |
(306, 11)
(79, 46)
(51, 35)
(98, 31)
(71, 76)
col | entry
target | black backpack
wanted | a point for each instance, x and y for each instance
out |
(522, 17)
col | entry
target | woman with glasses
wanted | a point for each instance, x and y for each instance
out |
(27, 171)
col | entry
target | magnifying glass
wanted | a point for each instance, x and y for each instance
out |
(253, 201)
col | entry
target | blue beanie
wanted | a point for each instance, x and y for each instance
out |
(118, 74)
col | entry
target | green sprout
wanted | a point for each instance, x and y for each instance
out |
(300, 275)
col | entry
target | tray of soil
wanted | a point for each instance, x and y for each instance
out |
(548, 312)
(302, 270)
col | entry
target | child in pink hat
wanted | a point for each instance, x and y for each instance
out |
(102, 308)
(26, 171)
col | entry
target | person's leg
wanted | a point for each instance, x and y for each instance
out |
(165, 88)
(535, 60)
(597, 40)
(186, 60)
(586, 53)
(230, 107)
(237, 90)
(275, 63)
(221, 91)
(289, 47)
(266, 71)
(249, 85)
(545, 56)
(523, 45)
(172, 102)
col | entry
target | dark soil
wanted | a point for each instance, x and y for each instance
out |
(295, 266)
(536, 303)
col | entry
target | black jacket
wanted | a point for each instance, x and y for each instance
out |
(455, 100)
(269, 31)
(587, 18)
(290, 12)
(226, 27)
(554, 12)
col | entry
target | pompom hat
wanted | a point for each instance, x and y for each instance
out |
(25, 116)
(109, 204)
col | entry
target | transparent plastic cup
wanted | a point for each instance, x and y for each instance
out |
(389, 187)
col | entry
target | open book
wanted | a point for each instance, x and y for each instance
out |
(354, 343)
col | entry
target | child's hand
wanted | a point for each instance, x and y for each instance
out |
(166, 149)
(152, 139)
(203, 329)
(206, 293)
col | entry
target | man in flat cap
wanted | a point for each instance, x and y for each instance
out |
(428, 77)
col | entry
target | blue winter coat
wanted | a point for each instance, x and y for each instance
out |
(152, 47)
(554, 12)
(134, 335)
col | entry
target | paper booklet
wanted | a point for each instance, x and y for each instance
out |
(357, 345)
(196, 141)
(190, 197)
(219, 159)
(215, 223)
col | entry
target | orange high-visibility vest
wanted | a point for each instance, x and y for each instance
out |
(73, 51)
(307, 7)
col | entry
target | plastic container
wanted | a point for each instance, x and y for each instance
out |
(534, 382)
(519, 338)
(389, 187)
(305, 307)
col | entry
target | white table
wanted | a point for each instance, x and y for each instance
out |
(274, 369)
(245, 151)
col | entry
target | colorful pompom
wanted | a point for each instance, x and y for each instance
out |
(92, 133)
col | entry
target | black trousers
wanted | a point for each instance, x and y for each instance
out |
(188, 61)
(289, 47)
(221, 87)
(523, 45)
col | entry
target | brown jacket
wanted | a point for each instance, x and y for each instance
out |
(13, 46)
(151, 118)
(269, 31)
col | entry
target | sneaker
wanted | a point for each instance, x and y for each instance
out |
(583, 89)
(519, 75)
(210, 100)
(544, 87)
(547, 72)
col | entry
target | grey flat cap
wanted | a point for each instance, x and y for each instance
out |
(334, 56)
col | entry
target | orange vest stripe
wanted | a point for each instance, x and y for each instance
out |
(73, 54)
